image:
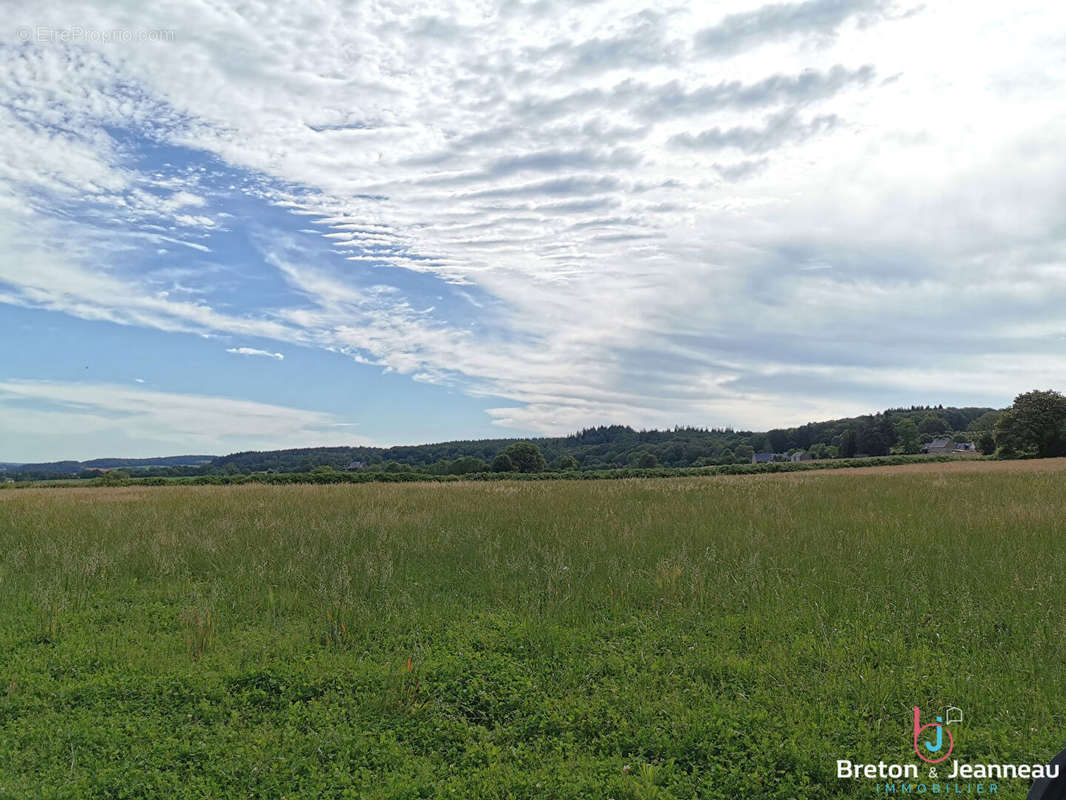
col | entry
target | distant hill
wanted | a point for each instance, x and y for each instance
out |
(75, 467)
(604, 447)
(165, 461)
(619, 445)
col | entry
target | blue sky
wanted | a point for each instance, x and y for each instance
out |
(223, 266)
(228, 227)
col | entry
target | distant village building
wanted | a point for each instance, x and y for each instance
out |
(946, 447)
(938, 447)
(356, 465)
(767, 458)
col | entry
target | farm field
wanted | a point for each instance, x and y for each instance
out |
(719, 637)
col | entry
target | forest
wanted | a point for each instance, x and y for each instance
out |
(897, 430)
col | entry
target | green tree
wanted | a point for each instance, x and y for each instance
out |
(467, 465)
(986, 443)
(780, 440)
(113, 477)
(907, 436)
(743, 453)
(934, 424)
(1011, 437)
(848, 443)
(564, 463)
(873, 441)
(526, 457)
(986, 422)
(1035, 425)
(502, 463)
(647, 460)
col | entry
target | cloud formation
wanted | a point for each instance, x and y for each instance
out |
(60, 417)
(252, 351)
(776, 21)
(778, 130)
(585, 212)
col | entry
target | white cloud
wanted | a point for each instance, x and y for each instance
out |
(52, 419)
(647, 201)
(252, 351)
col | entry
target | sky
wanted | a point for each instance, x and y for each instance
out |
(262, 224)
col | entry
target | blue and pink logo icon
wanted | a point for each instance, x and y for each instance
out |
(933, 748)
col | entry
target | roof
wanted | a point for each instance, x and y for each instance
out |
(938, 443)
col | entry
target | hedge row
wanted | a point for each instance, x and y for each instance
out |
(404, 477)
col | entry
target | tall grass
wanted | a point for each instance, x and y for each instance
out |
(726, 636)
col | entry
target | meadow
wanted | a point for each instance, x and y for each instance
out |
(699, 637)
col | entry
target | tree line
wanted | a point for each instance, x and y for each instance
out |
(1034, 426)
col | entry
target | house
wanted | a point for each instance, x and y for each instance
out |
(946, 447)
(938, 447)
(767, 458)
(802, 455)
(356, 465)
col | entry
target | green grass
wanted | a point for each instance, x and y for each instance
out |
(723, 637)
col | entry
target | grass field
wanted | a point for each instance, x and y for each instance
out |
(724, 637)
